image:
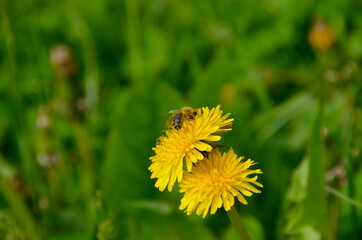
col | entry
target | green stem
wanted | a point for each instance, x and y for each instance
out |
(239, 227)
(343, 197)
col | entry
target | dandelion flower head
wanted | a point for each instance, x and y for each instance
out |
(189, 143)
(321, 36)
(216, 181)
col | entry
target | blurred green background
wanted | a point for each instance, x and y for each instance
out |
(85, 85)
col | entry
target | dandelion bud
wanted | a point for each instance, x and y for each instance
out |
(47, 159)
(228, 93)
(43, 120)
(321, 36)
(62, 60)
(44, 203)
(325, 133)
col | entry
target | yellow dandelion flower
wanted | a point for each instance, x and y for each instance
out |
(321, 36)
(216, 181)
(187, 143)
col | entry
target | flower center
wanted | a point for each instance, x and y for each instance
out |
(216, 177)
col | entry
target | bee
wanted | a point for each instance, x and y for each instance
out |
(178, 116)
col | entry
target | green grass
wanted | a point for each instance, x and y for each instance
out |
(74, 150)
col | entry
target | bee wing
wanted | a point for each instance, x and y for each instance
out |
(170, 112)
(173, 111)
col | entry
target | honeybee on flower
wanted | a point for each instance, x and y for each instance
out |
(186, 141)
(209, 179)
(178, 116)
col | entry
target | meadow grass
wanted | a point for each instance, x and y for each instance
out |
(84, 92)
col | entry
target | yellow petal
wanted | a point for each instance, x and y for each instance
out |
(203, 146)
(213, 138)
